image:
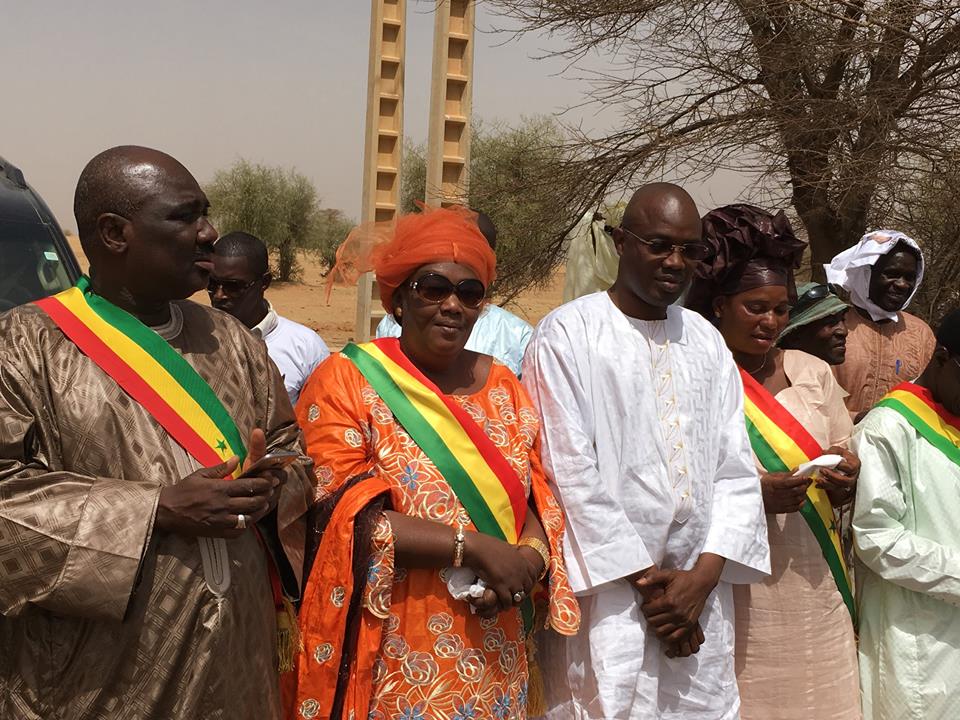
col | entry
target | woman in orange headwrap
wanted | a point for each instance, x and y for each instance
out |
(437, 520)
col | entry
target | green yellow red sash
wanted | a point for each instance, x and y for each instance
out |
(155, 375)
(476, 469)
(935, 423)
(149, 370)
(781, 444)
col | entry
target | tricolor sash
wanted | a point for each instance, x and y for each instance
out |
(781, 444)
(155, 375)
(937, 425)
(485, 483)
(149, 370)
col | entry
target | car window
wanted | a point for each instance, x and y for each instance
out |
(32, 265)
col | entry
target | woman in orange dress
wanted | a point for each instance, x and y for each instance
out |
(399, 535)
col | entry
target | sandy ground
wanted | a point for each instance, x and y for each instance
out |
(305, 302)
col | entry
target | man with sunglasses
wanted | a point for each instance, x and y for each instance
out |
(643, 434)
(817, 324)
(906, 529)
(240, 277)
(498, 332)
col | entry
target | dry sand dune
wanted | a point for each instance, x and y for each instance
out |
(305, 302)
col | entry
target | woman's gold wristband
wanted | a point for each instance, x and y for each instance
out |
(542, 550)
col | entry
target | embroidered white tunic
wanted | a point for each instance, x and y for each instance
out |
(644, 437)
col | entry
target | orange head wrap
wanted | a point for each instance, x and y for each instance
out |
(396, 249)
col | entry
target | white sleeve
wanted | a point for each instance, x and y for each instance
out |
(882, 541)
(388, 327)
(601, 544)
(738, 525)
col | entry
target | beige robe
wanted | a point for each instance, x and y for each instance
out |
(102, 615)
(881, 356)
(796, 654)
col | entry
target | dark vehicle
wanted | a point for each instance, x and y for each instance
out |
(35, 260)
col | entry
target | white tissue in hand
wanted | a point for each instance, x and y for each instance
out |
(463, 583)
(824, 461)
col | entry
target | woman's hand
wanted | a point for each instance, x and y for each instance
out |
(534, 558)
(840, 483)
(503, 567)
(783, 493)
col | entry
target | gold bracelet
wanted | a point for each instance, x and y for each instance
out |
(459, 540)
(542, 550)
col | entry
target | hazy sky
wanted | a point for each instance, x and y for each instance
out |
(280, 82)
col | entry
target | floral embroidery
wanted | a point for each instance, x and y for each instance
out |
(471, 665)
(313, 413)
(448, 646)
(309, 708)
(434, 655)
(409, 477)
(465, 710)
(501, 706)
(493, 639)
(419, 668)
(509, 654)
(324, 476)
(440, 623)
(323, 652)
(337, 596)
(395, 646)
(380, 580)
(415, 712)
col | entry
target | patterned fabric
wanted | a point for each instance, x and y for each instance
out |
(668, 413)
(436, 658)
(102, 616)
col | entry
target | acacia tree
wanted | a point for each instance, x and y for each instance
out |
(836, 101)
(929, 210)
(281, 207)
(513, 180)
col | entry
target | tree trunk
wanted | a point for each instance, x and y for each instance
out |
(287, 261)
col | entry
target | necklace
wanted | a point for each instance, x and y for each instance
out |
(762, 366)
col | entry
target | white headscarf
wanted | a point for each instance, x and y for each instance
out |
(852, 268)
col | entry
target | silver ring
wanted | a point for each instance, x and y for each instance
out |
(519, 596)
(241, 522)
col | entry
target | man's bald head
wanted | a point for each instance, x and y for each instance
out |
(660, 223)
(660, 202)
(119, 180)
(143, 225)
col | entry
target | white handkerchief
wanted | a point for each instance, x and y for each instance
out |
(463, 583)
(808, 469)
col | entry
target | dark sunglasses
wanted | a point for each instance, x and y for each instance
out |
(434, 288)
(811, 296)
(663, 248)
(230, 287)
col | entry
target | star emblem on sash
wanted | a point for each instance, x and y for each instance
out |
(221, 446)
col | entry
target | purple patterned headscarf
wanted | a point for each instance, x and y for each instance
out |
(751, 249)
